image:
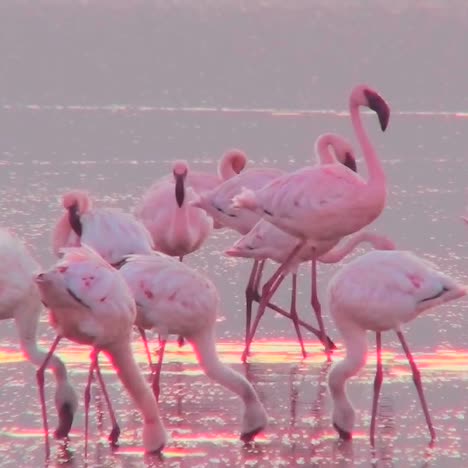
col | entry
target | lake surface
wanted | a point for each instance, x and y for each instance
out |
(104, 95)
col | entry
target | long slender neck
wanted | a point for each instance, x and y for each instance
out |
(205, 349)
(356, 354)
(122, 359)
(323, 152)
(374, 168)
(27, 319)
(61, 234)
(341, 251)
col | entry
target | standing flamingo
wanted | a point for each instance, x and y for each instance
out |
(110, 232)
(176, 227)
(175, 299)
(90, 303)
(380, 291)
(218, 204)
(325, 202)
(266, 241)
(20, 300)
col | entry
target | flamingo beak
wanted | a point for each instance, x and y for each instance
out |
(231, 252)
(40, 278)
(350, 162)
(344, 435)
(379, 106)
(180, 189)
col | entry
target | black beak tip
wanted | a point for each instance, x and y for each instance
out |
(344, 435)
(65, 421)
(379, 106)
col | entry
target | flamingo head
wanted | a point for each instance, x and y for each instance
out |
(180, 171)
(363, 95)
(77, 200)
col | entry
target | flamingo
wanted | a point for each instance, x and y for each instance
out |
(177, 228)
(90, 303)
(380, 291)
(325, 202)
(266, 241)
(175, 299)
(20, 300)
(218, 204)
(110, 232)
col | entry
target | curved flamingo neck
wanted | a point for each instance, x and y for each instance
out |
(323, 152)
(121, 356)
(341, 251)
(26, 324)
(376, 175)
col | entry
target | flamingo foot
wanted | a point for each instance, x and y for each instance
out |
(66, 413)
(114, 435)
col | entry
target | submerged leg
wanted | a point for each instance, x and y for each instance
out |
(157, 374)
(40, 382)
(377, 386)
(418, 383)
(294, 315)
(115, 433)
(317, 308)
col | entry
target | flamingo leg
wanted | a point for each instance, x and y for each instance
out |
(249, 298)
(115, 433)
(40, 382)
(87, 397)
(145, 342)
(180, 339)
(157, 374)
(294, 315)
(268, 290)
(317, 308)
(377, 386)
(418, 382)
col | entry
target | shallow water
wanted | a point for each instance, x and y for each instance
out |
(102, 96)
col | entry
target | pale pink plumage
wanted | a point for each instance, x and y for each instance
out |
(20, 300)
(111, 232)
(175, 299)
(380, 291)
(329, 201)
(90, 303)
(325, 202)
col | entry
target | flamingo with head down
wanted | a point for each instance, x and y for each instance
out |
(90, 303)
(380, 291)
(20, 300)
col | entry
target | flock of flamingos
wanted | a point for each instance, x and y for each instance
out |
(117, 270)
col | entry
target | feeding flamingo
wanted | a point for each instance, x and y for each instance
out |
(380, 291)
(20, 300)
(325, 202)
(112, 233)
(266, 241)
(90, 303)
(175, 299)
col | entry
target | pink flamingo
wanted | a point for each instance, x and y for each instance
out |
(20, 300)
(266, 241)
(177, 228)
(175, 299)
(218, 204)
(380, 291)
(325, 202)
(90, 303)
(110, 232)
